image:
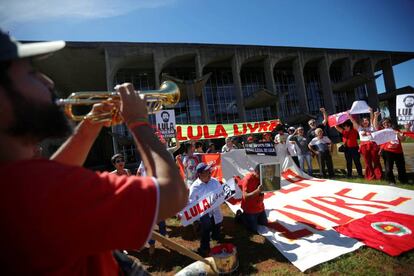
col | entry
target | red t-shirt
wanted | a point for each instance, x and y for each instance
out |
(253, 204)
(393, 146)
(350, 138)
(65, 220)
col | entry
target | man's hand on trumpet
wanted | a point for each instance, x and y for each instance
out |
(105, 113)
(132, 108)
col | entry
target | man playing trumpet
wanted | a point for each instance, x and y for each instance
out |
(57, 217)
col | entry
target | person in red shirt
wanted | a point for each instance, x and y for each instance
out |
(57, 217)
(252, 201)
(350, 140)
(392, 152)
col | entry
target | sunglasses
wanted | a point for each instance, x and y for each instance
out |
(119, 160)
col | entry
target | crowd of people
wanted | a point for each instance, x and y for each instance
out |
(79, 218)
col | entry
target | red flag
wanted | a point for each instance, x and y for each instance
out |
(337, 119)
(213, 159)
(390, 232)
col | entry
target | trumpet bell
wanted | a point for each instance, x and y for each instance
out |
(167, 95)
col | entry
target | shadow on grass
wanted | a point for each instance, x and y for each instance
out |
(252, 249)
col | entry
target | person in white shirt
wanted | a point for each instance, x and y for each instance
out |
(210, 223)
(281, 147)
(367, 147)
(321, 146)
(229, 145)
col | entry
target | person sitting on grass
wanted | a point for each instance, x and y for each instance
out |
(254, 213)
(322, 149)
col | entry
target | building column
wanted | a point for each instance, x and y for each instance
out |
(388, 73)
(300, 85)
(347, 73)
(326, 85)
(157, 71)
(203, 99)
(390, 86)
(236, 68)
(270, 83)
(110, 85)
(373, 101)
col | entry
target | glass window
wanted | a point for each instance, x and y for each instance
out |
(252, 80)
(313, 90)
(220, 95)
(286, 88)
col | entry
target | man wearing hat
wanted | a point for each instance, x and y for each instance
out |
(210, 223)
(57, 217)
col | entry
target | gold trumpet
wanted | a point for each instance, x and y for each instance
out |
(168, 94)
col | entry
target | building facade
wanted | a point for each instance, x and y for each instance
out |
(227, 83)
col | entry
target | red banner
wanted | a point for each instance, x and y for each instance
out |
(213, 159)
(199, 132)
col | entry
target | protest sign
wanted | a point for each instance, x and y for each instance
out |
(383, 136)
(266, 148)
(405, 108)
(270, 176)
(337, 119)
(205, 204)
(165, 121)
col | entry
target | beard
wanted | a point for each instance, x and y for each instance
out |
(37, 121)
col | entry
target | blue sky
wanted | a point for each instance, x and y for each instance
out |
(350, 24)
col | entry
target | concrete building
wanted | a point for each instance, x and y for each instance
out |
(227, 83)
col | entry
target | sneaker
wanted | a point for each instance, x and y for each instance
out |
(391, 184)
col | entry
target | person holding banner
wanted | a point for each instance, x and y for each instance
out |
(229, 145)
(350, 140)
(368, 148)
(210, 223)
(392, 152)
(252, 201)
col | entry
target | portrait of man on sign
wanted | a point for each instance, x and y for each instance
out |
(409, 101)
(270, 176)
(165, 116)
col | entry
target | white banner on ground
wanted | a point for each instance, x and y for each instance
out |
(384, 135)
(359, 107)
(303, 213)
(405, 108)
